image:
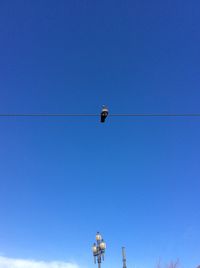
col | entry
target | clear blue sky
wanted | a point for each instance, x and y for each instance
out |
(136, 180)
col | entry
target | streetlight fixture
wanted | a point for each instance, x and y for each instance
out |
(98, 249)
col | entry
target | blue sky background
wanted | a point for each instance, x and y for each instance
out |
(137, 180)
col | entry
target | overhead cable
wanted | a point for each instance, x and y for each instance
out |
(90, 115)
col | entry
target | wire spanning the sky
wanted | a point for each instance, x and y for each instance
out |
(91, 115)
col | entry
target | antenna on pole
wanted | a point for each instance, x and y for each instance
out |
(124, 257)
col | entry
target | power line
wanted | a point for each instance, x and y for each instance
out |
(93, 115)
(156, 115)
(47, 115)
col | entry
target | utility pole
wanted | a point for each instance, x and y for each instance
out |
(99, 249)
(124, 257)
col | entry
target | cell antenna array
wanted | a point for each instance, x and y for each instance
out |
(124, 257)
